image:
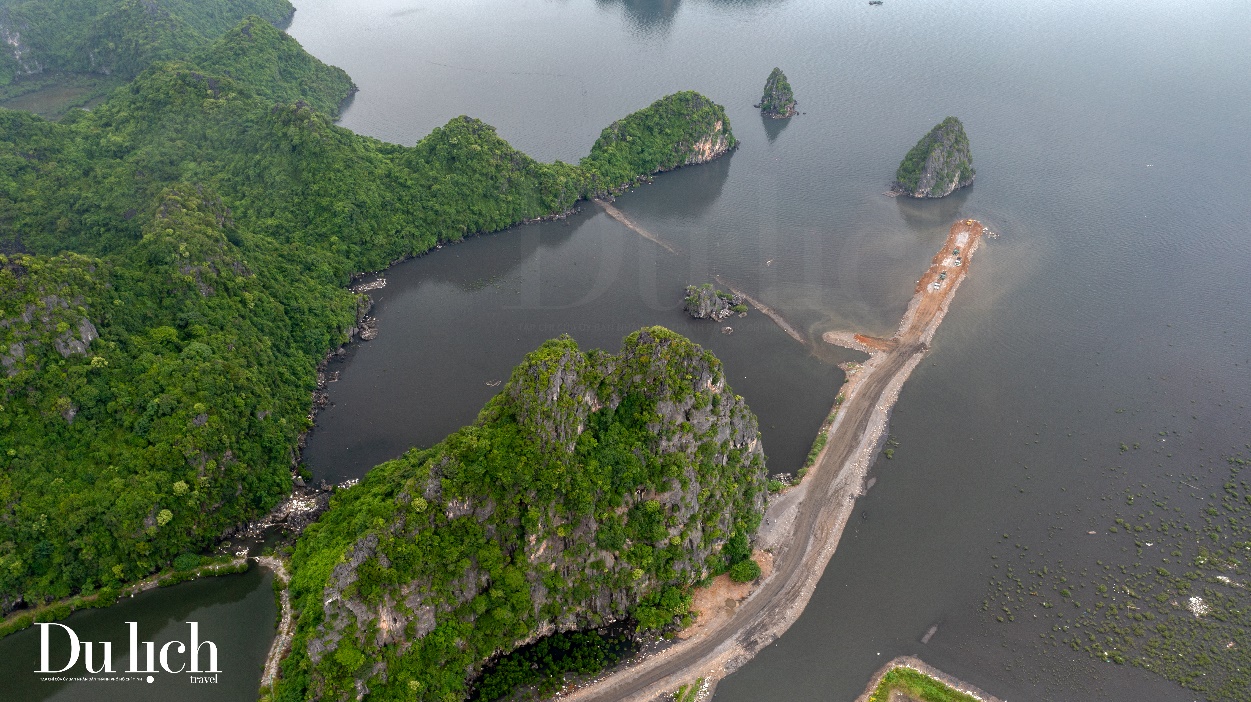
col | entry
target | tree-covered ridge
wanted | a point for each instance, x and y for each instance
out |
(212, 317)
(677, 130)
(275, 66)
(121, 452)
(593, 488)
(778, 100)
(115, 37)
(206, 227)
(939, 164)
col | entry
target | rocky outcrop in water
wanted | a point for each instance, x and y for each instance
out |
(706, 302)
(938, 165)
(592, 489)
(778, 100)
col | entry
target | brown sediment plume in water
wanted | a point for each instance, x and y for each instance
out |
(803, 524)
(629, 223)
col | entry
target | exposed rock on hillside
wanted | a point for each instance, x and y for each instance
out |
(48, 311)
(592, 489)
(938, 165)
(706, 302)
(778, 100)
(15, 55)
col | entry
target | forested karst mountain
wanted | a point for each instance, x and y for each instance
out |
(938, 165)
(678, 130)
(593, 488)
(778, 100)
(115, 37)
(174, 268)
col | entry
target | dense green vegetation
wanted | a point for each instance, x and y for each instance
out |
(1173, 600)
(745, 571)
(114, 37)
(186, 567)
(541, 666)
(916, 685)
(778, 99)
(175, 269)
(939, 163)
(677, 130)
(593, 488)
(274, 65)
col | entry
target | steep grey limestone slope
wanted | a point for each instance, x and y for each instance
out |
(592, 485)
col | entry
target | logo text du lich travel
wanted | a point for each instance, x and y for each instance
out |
(174, 656)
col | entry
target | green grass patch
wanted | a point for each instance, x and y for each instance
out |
(822, 437)
(688, 693)
(917, 685)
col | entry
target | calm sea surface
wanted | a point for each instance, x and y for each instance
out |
(1110, 141)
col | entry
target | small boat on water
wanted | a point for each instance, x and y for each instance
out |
(875, 2)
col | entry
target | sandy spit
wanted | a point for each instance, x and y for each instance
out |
(286, 628)
(629, 223)
(766, 311)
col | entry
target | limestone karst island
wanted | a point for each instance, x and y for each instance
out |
(778, 100)
(938, 165)
(532, 351)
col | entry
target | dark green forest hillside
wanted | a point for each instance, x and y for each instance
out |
(174, 268)
(275, 66)
(678, 130)
(114, 37)
(595, 487)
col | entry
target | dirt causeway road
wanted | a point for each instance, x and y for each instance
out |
(804, 524)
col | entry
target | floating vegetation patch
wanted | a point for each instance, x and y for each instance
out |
(1178, 603)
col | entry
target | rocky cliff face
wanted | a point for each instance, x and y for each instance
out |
(938, 165)
(715, 143)
(778, 100)
(589, 486)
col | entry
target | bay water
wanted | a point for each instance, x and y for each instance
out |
(1110, 145)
